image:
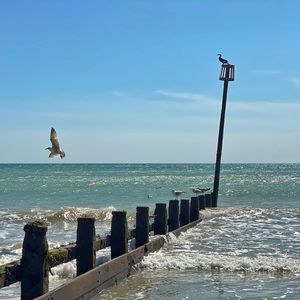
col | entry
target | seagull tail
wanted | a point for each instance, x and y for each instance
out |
(62, 154)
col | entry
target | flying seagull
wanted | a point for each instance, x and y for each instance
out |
(200, 191)
(177, 193)
(222, 60)
(55, 149)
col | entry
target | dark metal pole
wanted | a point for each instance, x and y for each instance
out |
(220, 141)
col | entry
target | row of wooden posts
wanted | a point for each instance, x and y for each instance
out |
(35, 263)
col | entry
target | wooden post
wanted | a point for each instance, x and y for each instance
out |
(119, 234)
(184, 212)
(142, 226)
(173, 221)
(34, 262)
(160, 218)
(202, 202)
(85, 245)
(208, 200)
(194, 209)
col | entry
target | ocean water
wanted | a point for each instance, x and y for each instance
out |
(248, 248)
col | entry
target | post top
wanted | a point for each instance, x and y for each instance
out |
(173, 201)
(37, 226)
(161, 204)
(119, 212)
(85, 219)
(142, 208)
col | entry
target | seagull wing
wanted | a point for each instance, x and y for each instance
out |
(53, 139)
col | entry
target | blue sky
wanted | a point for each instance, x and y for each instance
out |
(137, 81)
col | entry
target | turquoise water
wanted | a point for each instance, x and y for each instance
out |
(127, 185)
(247, 249)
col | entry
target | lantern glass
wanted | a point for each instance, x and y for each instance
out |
(227, 72)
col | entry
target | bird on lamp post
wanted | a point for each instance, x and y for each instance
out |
(222, 60)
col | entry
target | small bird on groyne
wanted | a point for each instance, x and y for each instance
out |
(177, 193)
(200, 191)
(222, 60)
(55, 149)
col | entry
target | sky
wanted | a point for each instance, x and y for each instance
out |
(138, 81)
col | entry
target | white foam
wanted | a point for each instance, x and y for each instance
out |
(231, 263)
(10, 254)
(66, 270)
(233, 240)
(72, 213)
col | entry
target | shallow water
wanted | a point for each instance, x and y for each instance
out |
(202, 285)
(232, 254)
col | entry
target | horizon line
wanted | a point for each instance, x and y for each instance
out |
(143, 163)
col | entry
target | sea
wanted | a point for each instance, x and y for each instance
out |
(247, 248)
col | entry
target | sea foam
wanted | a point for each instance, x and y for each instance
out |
(191, 260)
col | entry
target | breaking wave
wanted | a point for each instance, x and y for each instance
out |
(68, 214)
(230, 263)
(248, 240)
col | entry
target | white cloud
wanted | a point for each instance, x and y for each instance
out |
(267, 107)
(118, 94)
(295, 81)
(146, 128)
(186, 96)
(267, 72)
(187, 102)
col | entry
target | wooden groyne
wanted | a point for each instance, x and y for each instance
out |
(37, 260)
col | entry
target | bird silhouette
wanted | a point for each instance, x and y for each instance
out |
(55, 149)
(222, 60)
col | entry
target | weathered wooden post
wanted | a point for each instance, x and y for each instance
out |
(208, 200)
(160, 218)
(184, 212)
(194, 209)
(34, 262)
(142, 226)
(226, 74)
(173, 215)
(85, 245)
(119, 234)
(202, 202)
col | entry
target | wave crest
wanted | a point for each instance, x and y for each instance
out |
(64, 214)
(229, 263)
(72, 213)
